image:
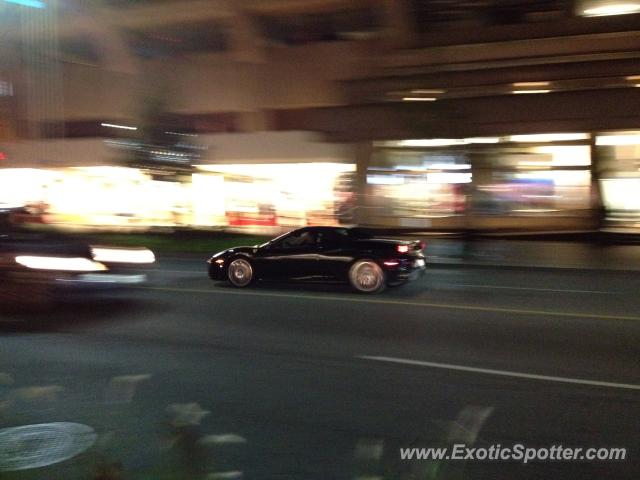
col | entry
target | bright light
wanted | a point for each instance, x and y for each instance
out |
(531, 84)
(448, 177)
(65, 264)
(385, 180)
(482, 140)
(442, 142)
(549, 137)
(431, 142)
(123, 255)
(419, 99)
(10, 206)
(122, 127)
(612, 9)
(621, 193)
(23, 186)
(564, 155)
(530, 91)
(531, 87)
(28, 3)
(402, 248)
(633, 78)
(610, 140)
(449, 166)
(392, 263)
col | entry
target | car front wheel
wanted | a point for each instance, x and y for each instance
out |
(366, 276)
(240, 272)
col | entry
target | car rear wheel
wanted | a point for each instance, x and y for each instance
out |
(366, 276)
(240, 272)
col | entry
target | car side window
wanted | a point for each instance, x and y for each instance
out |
(332, 238)
(298, 240)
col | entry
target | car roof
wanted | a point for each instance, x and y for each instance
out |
(321, 228)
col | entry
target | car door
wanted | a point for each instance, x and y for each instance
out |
(334, 253)
(292, 256)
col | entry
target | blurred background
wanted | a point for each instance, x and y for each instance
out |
(192, 126)
(262, 115)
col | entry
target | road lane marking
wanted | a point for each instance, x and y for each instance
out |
(536, 289)
(446, 306)
(503, 373)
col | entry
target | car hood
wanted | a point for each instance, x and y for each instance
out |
(244, 249)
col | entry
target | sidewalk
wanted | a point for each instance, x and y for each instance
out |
(502, 253)
(532, 254)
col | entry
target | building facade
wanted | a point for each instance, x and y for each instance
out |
(427, 114)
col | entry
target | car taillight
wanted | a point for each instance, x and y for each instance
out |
(402, 248)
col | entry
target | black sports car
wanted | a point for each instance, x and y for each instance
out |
(369, 264)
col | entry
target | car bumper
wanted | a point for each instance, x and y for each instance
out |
(216, 271)
(411, 272)
(99, 281)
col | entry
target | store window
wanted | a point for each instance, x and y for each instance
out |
(417, 182)
(619, 167)
(534, 179)
(511, 175)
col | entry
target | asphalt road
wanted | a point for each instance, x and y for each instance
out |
(186, 378)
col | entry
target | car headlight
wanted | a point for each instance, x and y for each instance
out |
(66, 264)
(122, 255)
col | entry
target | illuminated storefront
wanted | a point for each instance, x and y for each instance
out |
(619, 171)
(240, 196)
(521, 181)
(265, 181)
(453, 182)
(274, 195)
(116, 197)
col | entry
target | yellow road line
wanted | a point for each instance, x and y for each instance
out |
(379, 301)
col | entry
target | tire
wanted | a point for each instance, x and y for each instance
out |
(240, 272)
(366, 276)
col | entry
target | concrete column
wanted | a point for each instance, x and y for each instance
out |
(246, 42)
(597, 205)
(364, 150)
(399, 28)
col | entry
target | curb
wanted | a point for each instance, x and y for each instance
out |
(539, 268)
